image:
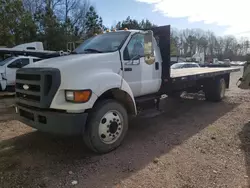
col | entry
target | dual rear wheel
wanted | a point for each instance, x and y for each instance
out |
(215, 90)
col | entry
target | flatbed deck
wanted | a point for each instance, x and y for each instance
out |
(201, 72)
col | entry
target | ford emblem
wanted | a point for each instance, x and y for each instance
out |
(26, 87)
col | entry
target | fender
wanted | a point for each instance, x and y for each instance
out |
(99, 81)
(125, 87)
(115, 81)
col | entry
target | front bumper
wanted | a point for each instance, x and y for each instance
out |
(52, 122)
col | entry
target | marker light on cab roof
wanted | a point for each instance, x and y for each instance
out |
(125, 29)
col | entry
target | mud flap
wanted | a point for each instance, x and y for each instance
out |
(245, 80)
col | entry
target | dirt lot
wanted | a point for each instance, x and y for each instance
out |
(193, 144)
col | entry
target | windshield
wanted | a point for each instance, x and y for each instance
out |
(2, 63)
(177, 66)
(108, 42)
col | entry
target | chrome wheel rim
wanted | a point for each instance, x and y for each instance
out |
(110, 127)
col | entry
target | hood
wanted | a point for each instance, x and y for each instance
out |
(82, 63)
(75, 60)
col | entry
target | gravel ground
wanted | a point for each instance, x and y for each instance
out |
(193, 144)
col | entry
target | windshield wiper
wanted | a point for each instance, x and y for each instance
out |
(92, 50)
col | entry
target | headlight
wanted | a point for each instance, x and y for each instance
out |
(78, 96)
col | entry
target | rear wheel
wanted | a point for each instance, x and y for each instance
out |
(215, 90)
(107, 126)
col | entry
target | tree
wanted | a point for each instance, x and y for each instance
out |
(128, 23)
(74, 15)
(33, 6)
(93, 22)
(78, 17)
(50, 31)
(67, 18)
(134, 24)
(16, 24)
(57, 22)
(175, 43)
(146, 24)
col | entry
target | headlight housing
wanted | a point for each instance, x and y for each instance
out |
(78, 96)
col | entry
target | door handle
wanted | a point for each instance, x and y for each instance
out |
(128, 69)
(156, 65)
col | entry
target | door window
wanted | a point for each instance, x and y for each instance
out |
(135, 48)
(19, 63)
(35, 60)
(24, 61)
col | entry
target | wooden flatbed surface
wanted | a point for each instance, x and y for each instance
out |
(202, 71)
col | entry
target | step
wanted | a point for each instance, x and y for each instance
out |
(150, 113)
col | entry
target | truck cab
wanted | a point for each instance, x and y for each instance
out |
(122, 53)
(9, 66)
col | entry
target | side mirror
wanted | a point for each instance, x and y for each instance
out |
(148, 48)
(134, 60)
(137, 57)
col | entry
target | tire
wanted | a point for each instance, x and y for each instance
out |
(106, 127)
(215, 90)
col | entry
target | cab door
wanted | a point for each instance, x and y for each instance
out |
(143, 77)
(151, 65)
(132, 59)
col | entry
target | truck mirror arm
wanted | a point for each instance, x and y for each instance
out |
(133, 61)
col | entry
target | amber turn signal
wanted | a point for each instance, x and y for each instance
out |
(79, 96)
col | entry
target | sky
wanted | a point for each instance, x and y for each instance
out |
(223, 17)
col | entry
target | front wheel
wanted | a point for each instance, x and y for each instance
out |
(107, 126)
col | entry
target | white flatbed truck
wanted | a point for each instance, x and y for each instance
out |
(93, 91)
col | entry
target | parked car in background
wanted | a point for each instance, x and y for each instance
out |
(185, 65)
(9, 66)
